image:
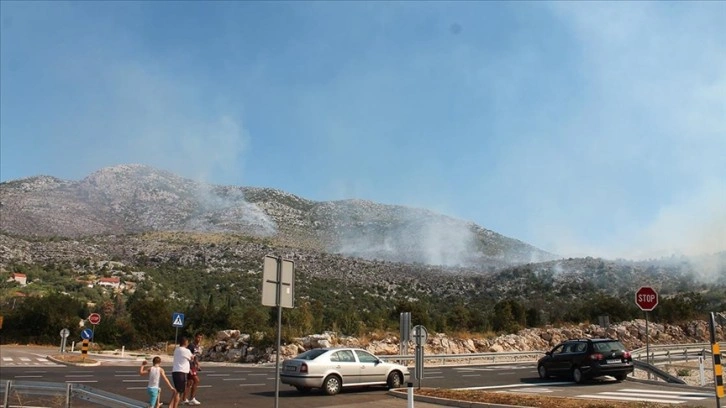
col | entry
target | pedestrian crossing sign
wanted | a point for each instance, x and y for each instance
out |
(177, 320)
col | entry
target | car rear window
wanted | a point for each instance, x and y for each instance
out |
(311, 354)
(608, 346)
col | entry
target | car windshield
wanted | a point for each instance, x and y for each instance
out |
(311, 354)
(608, 346)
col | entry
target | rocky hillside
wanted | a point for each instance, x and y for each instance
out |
(134, 198)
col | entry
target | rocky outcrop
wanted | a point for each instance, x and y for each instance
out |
(233, 346)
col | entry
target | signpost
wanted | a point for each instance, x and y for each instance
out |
(420, 337)
(64, 335)
(278, 290)
(94, 319)
(647, 299)
(405, 327)
(177, 320)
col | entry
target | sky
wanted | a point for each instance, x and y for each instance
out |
(582, 128)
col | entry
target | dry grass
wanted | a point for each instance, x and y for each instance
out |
(74, 358)
(518, 400)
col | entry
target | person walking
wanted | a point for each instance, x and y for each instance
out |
(193, 377)
(155, 373)
(180, 370)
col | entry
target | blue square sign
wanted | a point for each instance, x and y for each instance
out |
(177, 319)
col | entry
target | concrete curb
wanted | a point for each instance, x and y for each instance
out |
(450, 403)
(74, 364)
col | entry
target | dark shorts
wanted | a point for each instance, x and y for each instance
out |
(180, 380)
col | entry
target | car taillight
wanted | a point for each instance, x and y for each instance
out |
(303, 368)
(596, 356)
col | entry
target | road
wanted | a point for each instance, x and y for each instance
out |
(253, 386)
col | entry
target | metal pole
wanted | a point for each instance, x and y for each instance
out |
(69, 392)
(176, 336)
(717, 368)
(410, 396)
(8, 387)
(647, 340)
(278, 302)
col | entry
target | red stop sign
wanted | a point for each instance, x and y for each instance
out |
(646, 298)
(94, 318)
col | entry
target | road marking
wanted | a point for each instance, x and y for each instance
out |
(125, 375)
(644, 395)
(695, 394)
(134, 380)
(217, 375)
(82, 381)
(234, 379)
(7, 359)
(495, 387)
(28, 376)
(471, 375)
(251, 385)
(26, 359)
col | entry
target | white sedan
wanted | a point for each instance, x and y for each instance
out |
(334, 368)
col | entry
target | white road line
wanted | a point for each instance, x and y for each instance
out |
(699, 394)
(652, 394)
(125, 375)
(217, 375)
(471, 375)
(7, 359)
(250, 385)
(146, 381)
(25, 359)
(234, 379)
(79, 375)
(82, 381)
(495, 387)
(28, 376)
(601, 397)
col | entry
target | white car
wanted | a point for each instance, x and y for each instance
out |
(334, 368)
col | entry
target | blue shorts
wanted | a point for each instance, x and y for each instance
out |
(153, 395)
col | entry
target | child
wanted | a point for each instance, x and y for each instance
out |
(155, 373)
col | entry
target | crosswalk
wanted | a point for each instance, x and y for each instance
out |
(645, 395)
(28, 361)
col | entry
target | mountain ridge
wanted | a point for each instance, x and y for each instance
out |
(138, 198)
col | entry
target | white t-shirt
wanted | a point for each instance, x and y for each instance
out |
(182, 356)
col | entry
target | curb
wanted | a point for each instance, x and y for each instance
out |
(69, 363)
(450, 403)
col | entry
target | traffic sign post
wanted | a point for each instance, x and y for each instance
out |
(717, 367)
(177, 320)
(647, 299)
(64, 335)
(94, 319)
(420, 337)
(278, 290)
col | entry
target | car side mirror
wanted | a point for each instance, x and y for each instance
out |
(549, 353)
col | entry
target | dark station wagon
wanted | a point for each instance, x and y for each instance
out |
(584, 359)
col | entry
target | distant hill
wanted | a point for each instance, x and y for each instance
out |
(135, 198)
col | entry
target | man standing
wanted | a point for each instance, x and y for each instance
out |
(193, 377)
(180, 370)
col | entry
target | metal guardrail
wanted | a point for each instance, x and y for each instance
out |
(65, 393)
(469, 358)
(668, 352)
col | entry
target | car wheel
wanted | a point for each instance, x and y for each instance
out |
(303, 390)
(621, 377)
(542, 371)
(577, 375)
(394, 380)
(332, 385)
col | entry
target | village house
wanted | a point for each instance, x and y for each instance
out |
(21, 278)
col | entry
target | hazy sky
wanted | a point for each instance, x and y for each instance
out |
(582, 128)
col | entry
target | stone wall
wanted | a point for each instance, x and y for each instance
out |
(234, 346)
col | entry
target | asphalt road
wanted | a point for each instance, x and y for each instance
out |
(254, 386)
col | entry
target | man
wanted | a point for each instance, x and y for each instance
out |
(179, 370)
(193, 377)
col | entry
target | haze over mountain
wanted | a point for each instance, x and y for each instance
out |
(137, 198)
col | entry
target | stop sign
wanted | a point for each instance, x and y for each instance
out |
(94, 318)
(646, 298)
